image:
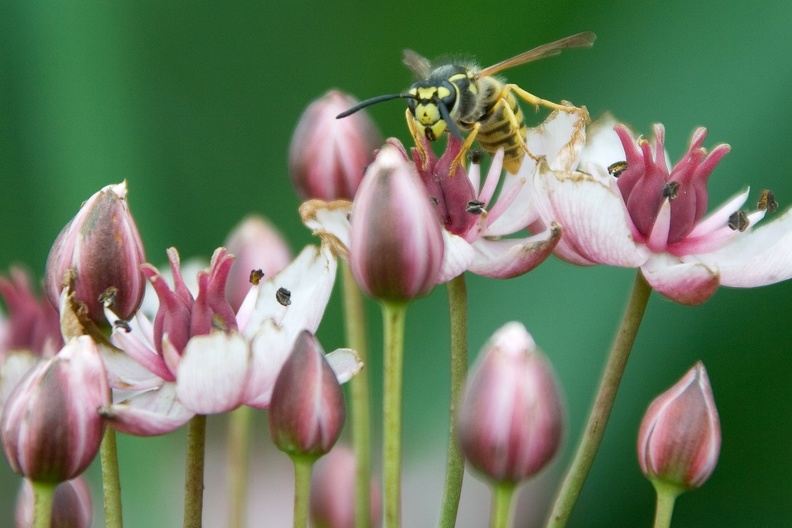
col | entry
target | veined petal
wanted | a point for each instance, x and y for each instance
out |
(720, 216)
(756, 258)
(150, 413)
(592, 215)
(559, 139)
(602, 148)
(345, 363)
(514, 208)
(132, 366)
(688, 283)
(457, 256)
(330, 222)
(270, 348)
(507, 258)
(309, 279)
(213, 372)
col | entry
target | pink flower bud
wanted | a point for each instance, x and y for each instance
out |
(327, 156)
(71, 505)
(33, 325)
(679, 439)
(50, 427)
(396, 242)
(333, 492)
(511, 418)
(257, 245)
(307, 409)
(102, 250)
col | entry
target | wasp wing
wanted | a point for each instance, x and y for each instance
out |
(417, 64)
(580, 40)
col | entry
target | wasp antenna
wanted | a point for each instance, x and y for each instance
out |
(374, 100)
(449, 122)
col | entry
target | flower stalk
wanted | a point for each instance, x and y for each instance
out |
(43, 498)
(502, 495)
(393, 316)
(194, 472)
(355, 318)
(603, 403)
(666, 497)
(111, 480)
(455, 463)
(238, 444)
(302, 488)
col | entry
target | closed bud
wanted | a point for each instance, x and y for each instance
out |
(101, 251)
(510, 421)
(50, 427)
(327, 156)
(396, 242)
(680, 437)
(257, 245)
(333, 492)
(307, 409)
(71, 505)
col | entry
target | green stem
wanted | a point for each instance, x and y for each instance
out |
(355, 317)
(666, 496)
(194, 472)
(238, 442)
(393, 315)
(302, 488)
(502, 494)
(111, 480)
(43, 495)
(455, 463)
(603, 403)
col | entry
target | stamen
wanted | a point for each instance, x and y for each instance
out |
(283, 296)
(475, 156)
(107, 298)
(738, 221)
(671, 190)
(616, 169)
(255, 276)
(767, 201)
(474, 207)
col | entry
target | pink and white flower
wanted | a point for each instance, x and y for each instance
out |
(653, 217)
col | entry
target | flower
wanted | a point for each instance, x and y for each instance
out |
(209, 360)
(680, 437)
(510, 420)
(101, 252)
(307, 409)
(333, 491)
(641, 214)
(50, 426)
(482, 233)
(257, 245)
(71, 505)
(30, 333)
(395, 243)
(327, 156)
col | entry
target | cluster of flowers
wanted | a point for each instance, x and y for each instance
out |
(590, 196)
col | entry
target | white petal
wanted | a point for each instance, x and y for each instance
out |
(270, 347)
(756, 258)
(593, 216)
(559, 139)
(330, 221)
(458, 254)
(151, 413)
(720, 216)
(603, 147)
(309, 279)
(688, 283)
(213, 372)
(518, 211)
(345, 363)
(506, 258)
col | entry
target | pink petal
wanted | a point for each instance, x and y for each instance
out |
(756, 258)
(213, 372)
(150, 413)
(688, 283)
(507, 258)
(592, 215)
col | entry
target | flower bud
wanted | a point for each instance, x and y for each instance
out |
(257, 245)
(101, 249)
(511, 419)
(679, 439)
(333, 492)
(307, 409)
(396, 242)
(71, 505)
(327, 156)
(50, 427)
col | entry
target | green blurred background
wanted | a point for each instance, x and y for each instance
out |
(194, 104)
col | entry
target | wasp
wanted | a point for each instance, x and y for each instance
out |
(453, 97)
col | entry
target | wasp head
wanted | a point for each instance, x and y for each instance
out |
(430, 106)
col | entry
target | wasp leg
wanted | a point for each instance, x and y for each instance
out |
(464, 149)
(533, 100)
(509, 113)
(417, 138)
